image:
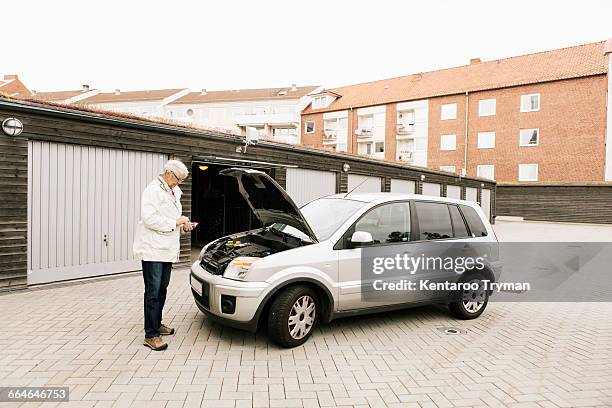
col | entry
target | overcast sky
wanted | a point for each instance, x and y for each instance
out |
(225, 44)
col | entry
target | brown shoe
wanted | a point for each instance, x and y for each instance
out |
(155, 343)
(165, 330)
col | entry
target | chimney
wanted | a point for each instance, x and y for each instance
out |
(608, 46)
(85, 88)
(8, 77)
(203, 91)
(293, 87)
(475, 61)
(117, 91)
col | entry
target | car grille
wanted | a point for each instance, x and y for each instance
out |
(212, 266)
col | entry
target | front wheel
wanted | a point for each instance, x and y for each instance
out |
(472, 301)
(293, 316)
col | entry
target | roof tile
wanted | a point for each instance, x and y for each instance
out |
(564, 63)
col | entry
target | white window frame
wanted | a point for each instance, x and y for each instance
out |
(481, 145)
(529, 97)
(306, 126)
(448, 137)
(537, 169)
(482, 105)
(450, 169)
(530, 131)
(450, 113)
(481, 167)
(376, 142)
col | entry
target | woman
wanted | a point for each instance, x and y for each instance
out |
(157, 245)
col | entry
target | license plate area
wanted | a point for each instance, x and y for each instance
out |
(202, 289)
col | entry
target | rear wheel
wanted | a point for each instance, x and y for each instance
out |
(293, 316)
(472, 301)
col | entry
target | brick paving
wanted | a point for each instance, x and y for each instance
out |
(88, 336)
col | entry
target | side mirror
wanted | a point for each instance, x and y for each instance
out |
(361, 238)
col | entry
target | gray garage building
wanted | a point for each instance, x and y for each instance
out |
(72, 179)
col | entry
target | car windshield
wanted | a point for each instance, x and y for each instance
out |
(326, 215)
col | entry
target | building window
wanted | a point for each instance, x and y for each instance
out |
(448, 111)
(309, 126)
(486, 171)
(319, 102)
(379, 147)
(530, 103)
(284, 132)
(486, 140)
(448, 142)
(450, 169)
(529, 137)
(528, 172)
(486, 107)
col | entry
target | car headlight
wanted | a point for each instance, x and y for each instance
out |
(238, 268)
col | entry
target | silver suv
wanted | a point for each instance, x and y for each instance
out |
(306, 266)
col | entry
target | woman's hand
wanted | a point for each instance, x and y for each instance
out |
(182, 220)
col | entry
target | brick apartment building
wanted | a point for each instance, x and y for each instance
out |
(537, 118)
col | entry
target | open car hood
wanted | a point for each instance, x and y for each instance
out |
(269, 202)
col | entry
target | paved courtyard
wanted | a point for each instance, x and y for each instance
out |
(88, 336)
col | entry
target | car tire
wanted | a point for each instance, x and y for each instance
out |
(293, 316)
(470, 304)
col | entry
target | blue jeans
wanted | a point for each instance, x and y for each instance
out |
(156, 278)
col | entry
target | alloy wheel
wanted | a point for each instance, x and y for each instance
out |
(302, 317)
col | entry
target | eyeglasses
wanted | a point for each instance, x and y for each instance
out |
(179, 180)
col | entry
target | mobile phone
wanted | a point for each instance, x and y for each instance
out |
(194, 224)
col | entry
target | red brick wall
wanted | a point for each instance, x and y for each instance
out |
(312, 139)
(437, 127)
(571, 120)
(390, 131)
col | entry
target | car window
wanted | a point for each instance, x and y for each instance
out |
(474, 222)
(434, 220)
(459, 228)
(387, 223)
(326, 215)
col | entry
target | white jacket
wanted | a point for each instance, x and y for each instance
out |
(157, 236)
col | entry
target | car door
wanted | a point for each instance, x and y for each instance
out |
(389, 225)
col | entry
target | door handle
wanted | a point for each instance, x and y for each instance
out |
(105, 239)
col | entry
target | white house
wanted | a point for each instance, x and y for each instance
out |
(148, 103)
(275, 112)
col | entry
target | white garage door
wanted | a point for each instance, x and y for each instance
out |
(453, 192)
(485, 203)
(367, 184)
(305, 185)
(431, 189)
(83, 206)
(471, 194)
(402, 186)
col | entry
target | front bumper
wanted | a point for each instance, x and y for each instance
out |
(207, 290)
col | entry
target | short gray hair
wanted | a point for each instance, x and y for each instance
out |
(177, 167)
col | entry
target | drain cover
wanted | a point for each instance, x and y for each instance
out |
(452, 330)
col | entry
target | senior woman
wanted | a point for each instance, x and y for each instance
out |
(157, 245)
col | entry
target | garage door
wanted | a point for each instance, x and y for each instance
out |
(471, 194)
(306, 185)
(364, 184)
(485, 203)
(453, 192)
(83, 206)
(431, 189)
(402, 186)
